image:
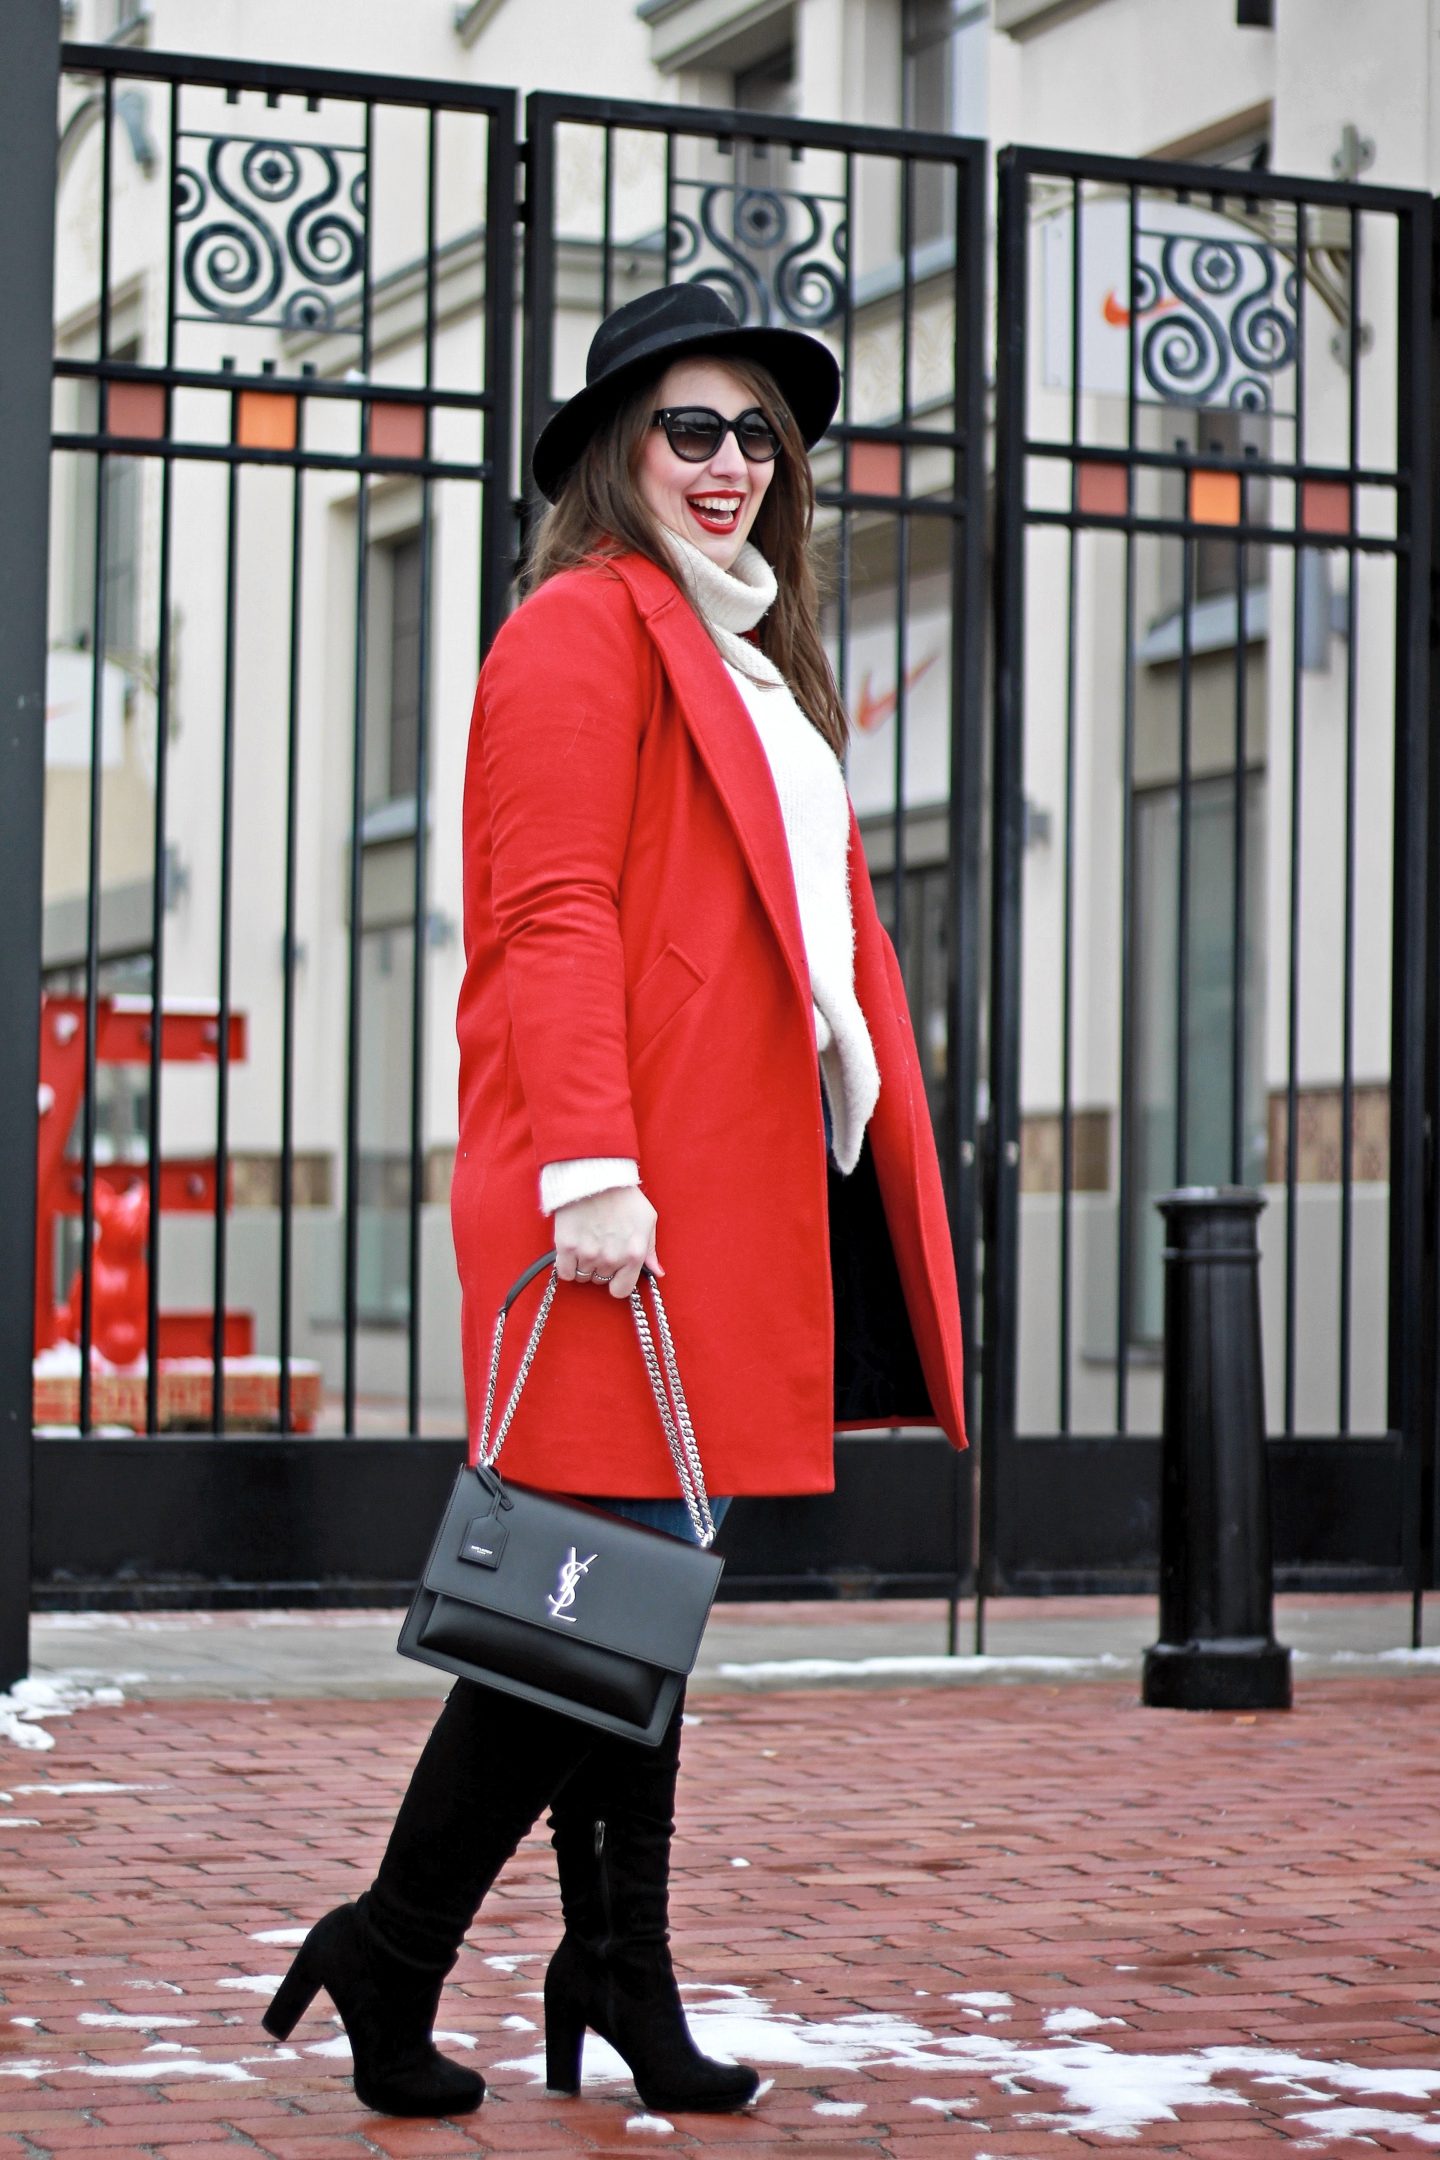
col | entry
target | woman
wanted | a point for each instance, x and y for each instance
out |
(675, 973)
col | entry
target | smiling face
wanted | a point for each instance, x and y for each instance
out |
(713, 505)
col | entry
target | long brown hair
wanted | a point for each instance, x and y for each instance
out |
(602, 512)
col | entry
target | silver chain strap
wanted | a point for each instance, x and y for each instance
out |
(679, 1431)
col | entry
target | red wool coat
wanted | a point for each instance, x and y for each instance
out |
(636, 985)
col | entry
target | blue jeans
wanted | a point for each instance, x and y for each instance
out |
(672, 1516)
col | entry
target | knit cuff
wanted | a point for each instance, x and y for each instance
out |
(561, 1183)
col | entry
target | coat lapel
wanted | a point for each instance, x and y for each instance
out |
(731, 750)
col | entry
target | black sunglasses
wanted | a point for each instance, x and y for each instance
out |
(695, 433)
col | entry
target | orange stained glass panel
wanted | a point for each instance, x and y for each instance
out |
(1325, 506)
(874, 468)
(397, 431)
(1102, 490)
(136, 409)
(266, 420)
(1215, 498)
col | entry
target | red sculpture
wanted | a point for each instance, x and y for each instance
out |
(119, 1276)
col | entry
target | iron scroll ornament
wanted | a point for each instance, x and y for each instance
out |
(782, 256)
(1221, 333)
(279, 231)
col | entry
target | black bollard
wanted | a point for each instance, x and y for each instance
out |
(1217, 1649)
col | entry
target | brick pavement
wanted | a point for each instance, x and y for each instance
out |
(1008, 1923)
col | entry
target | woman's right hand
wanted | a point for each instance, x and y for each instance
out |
(607, 1239)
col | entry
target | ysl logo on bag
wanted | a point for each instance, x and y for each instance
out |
(562, 1597)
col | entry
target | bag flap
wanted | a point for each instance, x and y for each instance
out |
(576, 1571)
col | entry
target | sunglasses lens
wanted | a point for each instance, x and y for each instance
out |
(693, 435)
(757, 438)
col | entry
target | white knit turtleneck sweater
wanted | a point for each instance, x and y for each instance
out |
(810, 788)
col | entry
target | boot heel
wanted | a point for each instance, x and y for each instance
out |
(293, 1997)
(564, 2047)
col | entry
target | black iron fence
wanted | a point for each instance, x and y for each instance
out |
(1214, 471)
(285, 514)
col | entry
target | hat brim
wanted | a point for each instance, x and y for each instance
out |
(804, 369)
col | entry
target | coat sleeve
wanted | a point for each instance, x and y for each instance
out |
(563, 698)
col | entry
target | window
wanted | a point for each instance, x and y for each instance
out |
(396, 633)
(1210, 1021)
(120, 592)
(946, 56)
(383, 1199)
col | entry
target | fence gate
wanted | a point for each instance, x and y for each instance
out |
(283, 528)
(283, 424)
(874, 240)
(1214, 479)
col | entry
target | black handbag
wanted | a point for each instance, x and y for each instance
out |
(559, 1603)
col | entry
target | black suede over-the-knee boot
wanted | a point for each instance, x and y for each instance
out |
(611, 1827)
(485, 1775)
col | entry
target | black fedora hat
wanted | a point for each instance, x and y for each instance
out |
(645, 335)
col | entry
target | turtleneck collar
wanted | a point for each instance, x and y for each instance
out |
(731, 600)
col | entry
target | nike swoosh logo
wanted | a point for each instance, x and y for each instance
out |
(1118, 315)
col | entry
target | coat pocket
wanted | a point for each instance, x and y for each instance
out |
(668, 983)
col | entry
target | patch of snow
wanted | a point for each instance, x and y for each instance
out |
(58, 1695)
(34, 2023)
(160, 2073)
(1361, 2122)
(983, 1999)
(739, 1863)
(1098, 2091)
(130, 2020)
(898, 1668)
(517, 2024)
(31, 2069)
(1076, 2020)
(92, 1785)
(512, 1964)
(656, 2124)
(287, 1938)
(945, 2107)
(19, 1822)
(840, 2107)
(253, 1983)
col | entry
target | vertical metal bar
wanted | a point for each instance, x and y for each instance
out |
(1067, 886)
(1347, 1012)
(1182, 928)
(287, 1014)
(847, 342)
(902, 569)
(357, 847)
(669, 239)
(967, 770)
(29, 93)
(367, 260)
(157, 953)
(1411, 1399)
(1125, 1166)
(92, 938)
(417, 982)
(607, 276)
(419, 908)
(96, 788)
(1125, 1152)
(1297, 717)
(538, 374)
(431, 125)
(357, 929)
(998, 1368)
(1239, 864)
(498, 530)
(160, 855)
(227, 847)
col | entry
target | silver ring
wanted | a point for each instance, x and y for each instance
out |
(582, 1274)
(602, 1278)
